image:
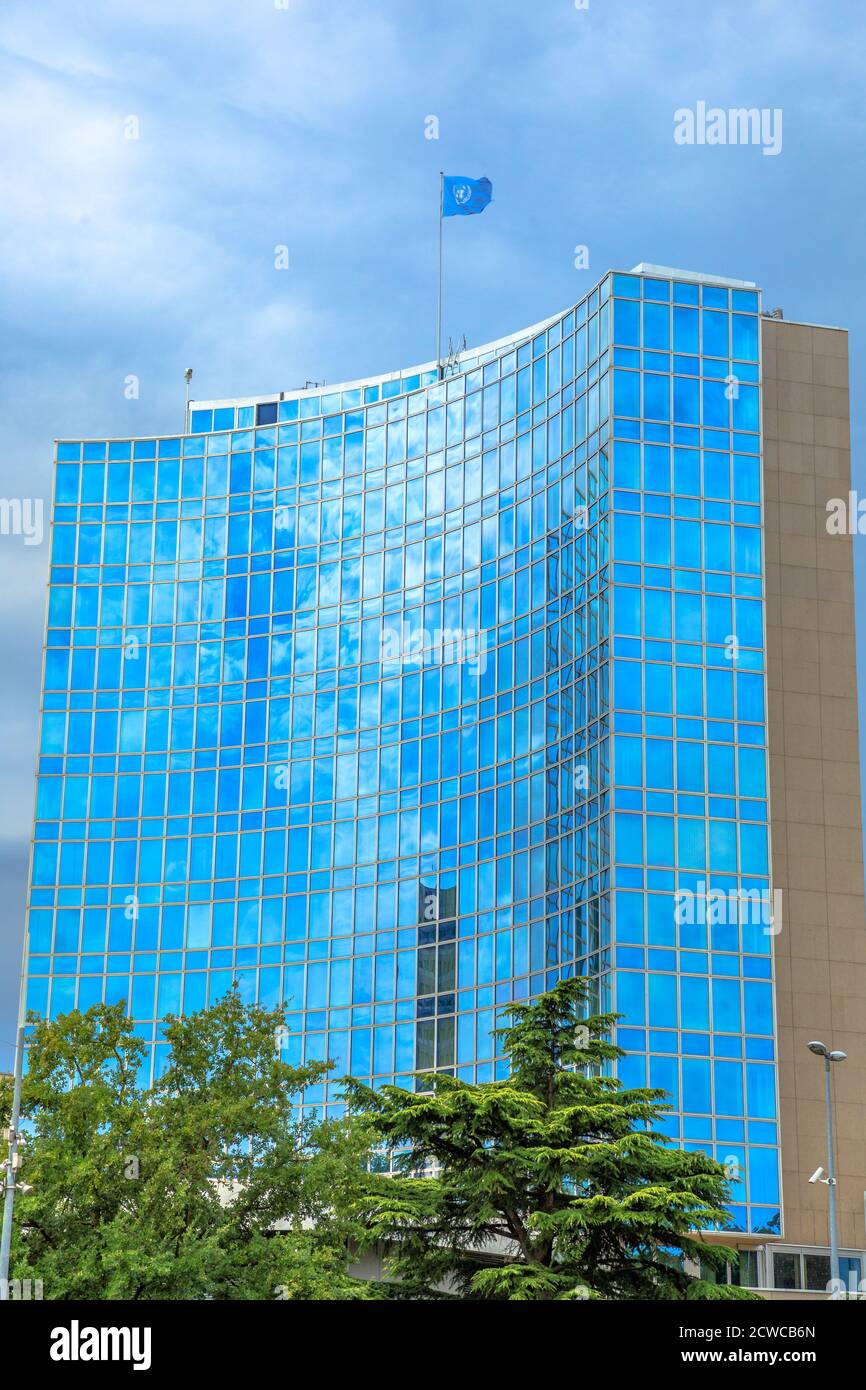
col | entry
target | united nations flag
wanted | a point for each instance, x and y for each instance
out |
(461, 197)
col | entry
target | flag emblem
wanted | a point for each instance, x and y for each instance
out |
(462, 197)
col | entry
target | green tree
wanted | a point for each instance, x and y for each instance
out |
(552, 1184)
(80, 1095)
(206, 1186)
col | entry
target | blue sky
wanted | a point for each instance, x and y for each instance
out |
(303, 125)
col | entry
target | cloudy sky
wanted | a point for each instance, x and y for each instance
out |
(268, 123)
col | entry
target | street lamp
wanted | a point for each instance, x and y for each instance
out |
(821, 1050)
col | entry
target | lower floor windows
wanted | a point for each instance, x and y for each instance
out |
(810, 1271)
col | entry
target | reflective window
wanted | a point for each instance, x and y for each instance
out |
(330, 688)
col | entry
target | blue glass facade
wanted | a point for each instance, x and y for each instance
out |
(398, 701)
(692, 902)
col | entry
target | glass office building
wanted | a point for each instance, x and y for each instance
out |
(401, 700)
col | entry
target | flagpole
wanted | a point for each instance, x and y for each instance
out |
(439, 312)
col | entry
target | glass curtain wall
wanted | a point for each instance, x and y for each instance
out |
(335, 682)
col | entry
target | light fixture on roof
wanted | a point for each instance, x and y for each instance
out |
(187, 376)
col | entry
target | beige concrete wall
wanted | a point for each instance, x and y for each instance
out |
(814, 772)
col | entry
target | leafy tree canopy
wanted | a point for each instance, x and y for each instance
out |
(552, 1184)
(206, 1186)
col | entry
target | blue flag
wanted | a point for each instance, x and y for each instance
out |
(461, 196)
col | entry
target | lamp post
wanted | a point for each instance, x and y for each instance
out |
(821, 1050)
